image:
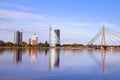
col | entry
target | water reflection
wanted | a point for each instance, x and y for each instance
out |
(17, 56)
(103, 57)
(46, 52)
(1, 50)
(103, 60)
(54, 64)
(33, 54)
(54, 58)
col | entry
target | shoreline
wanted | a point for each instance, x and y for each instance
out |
(43, 47)
(67, 48)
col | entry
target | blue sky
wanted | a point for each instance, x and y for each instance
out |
(78, 20)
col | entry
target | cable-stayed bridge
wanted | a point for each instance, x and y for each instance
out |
(105, 38)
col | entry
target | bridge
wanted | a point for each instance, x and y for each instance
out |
(106, 38)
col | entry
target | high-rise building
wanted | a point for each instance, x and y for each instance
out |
(33, 40)
(54, 37)
(17, 37)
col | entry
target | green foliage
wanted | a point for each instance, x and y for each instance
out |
(2, 43)
(72, 45)
(9, 44)
(43, 44)
(46, 44)
(23, 44)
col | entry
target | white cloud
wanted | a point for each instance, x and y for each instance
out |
(82, 24)
(42, 30)
(73, 35)
(108, 25)
(9, 14)
(21, 7)
(32, 27)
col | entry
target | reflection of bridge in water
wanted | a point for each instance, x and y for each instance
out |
(106, 38)
(100, 62)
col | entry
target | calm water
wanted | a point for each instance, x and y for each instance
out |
(59, 64)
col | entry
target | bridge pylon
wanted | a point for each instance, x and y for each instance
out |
(103, 41)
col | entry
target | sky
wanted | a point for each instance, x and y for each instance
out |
(78, 20)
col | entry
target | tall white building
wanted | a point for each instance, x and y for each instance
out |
(33, 40)
(54, 37)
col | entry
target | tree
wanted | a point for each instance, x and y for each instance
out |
(23, 44)
(9, 44)
(46, 44)
(1, 43)
(43, 44)
(40, 44)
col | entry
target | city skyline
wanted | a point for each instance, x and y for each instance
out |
(78, 20)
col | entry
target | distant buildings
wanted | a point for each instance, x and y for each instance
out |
(54, 37)
(17, 37)
(33, 40)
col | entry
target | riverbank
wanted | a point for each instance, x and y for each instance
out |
(43, 47)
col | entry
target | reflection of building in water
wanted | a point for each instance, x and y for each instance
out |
(54, 59)
(17, 55)
(33, 54)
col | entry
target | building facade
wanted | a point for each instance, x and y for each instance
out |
(54, 37)
(17, 37)
(33, 40)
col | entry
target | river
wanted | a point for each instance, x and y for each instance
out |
(59, 64)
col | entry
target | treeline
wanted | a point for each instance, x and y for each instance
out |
(40, 44)
(23, 44)
(73, 45)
